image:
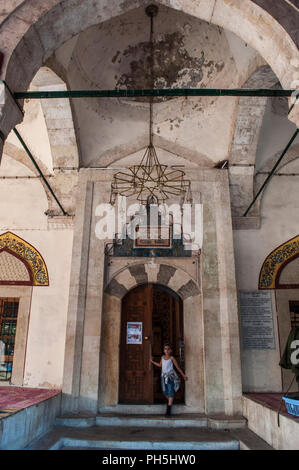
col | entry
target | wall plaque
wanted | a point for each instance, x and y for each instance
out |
(256, 320)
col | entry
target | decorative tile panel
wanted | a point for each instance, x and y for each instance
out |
(12, 268)
(275, 261)
(28, 254)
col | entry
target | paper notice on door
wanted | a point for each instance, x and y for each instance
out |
(134, 332)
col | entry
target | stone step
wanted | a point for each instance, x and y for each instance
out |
(110, 437)
(249, 440)
(152, 421)
(76, 420)
(187, 420)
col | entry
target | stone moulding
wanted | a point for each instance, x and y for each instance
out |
(275, 261)
(29, 255)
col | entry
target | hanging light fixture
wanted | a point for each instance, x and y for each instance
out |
(150, 182)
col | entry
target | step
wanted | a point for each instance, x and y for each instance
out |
(190, 420)
(110, 437)
(76, 420)
(157, 409)
(152, 421)
(249, 440)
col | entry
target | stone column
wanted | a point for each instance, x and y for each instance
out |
(229, 321)
(77, 297)
(221, 332)
(82, 353)
(90, 370)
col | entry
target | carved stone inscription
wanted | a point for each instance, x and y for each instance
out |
(256, 320)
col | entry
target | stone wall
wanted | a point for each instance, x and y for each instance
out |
(264, 422)
(18, 430)
(40, 337)
(279, 223)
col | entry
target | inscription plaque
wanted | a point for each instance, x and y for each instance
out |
(256, 320)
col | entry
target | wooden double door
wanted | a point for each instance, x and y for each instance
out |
(151, 315)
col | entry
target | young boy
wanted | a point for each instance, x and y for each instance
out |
(169, 379)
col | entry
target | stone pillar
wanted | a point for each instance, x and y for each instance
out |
(82, 353)
(229, 321)
(221, 331)
(10, 114)
(77, 297)
(90, 369)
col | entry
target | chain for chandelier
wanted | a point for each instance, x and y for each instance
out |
(151, 182)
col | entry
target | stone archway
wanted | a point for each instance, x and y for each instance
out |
(249, 119)
(141, 273)
(40, 29)
(189, 291)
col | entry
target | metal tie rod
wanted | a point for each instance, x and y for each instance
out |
(152, 93)
(272, 171)
(38, 169)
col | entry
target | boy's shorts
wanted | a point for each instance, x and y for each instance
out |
(169, 388)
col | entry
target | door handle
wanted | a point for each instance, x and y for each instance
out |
(146, 337)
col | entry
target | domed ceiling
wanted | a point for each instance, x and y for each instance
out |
(188, 53)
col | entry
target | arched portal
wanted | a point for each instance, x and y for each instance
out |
(152, 315)
(170, 284)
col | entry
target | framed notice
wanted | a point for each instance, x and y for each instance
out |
(257, 320)
(134, 332)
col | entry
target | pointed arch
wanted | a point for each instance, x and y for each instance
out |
(62, 138)
(276, 261)
(29, 255)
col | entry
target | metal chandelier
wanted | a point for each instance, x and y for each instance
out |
(150, 182)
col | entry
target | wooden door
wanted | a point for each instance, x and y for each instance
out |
(136, 378)
(167, 319)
